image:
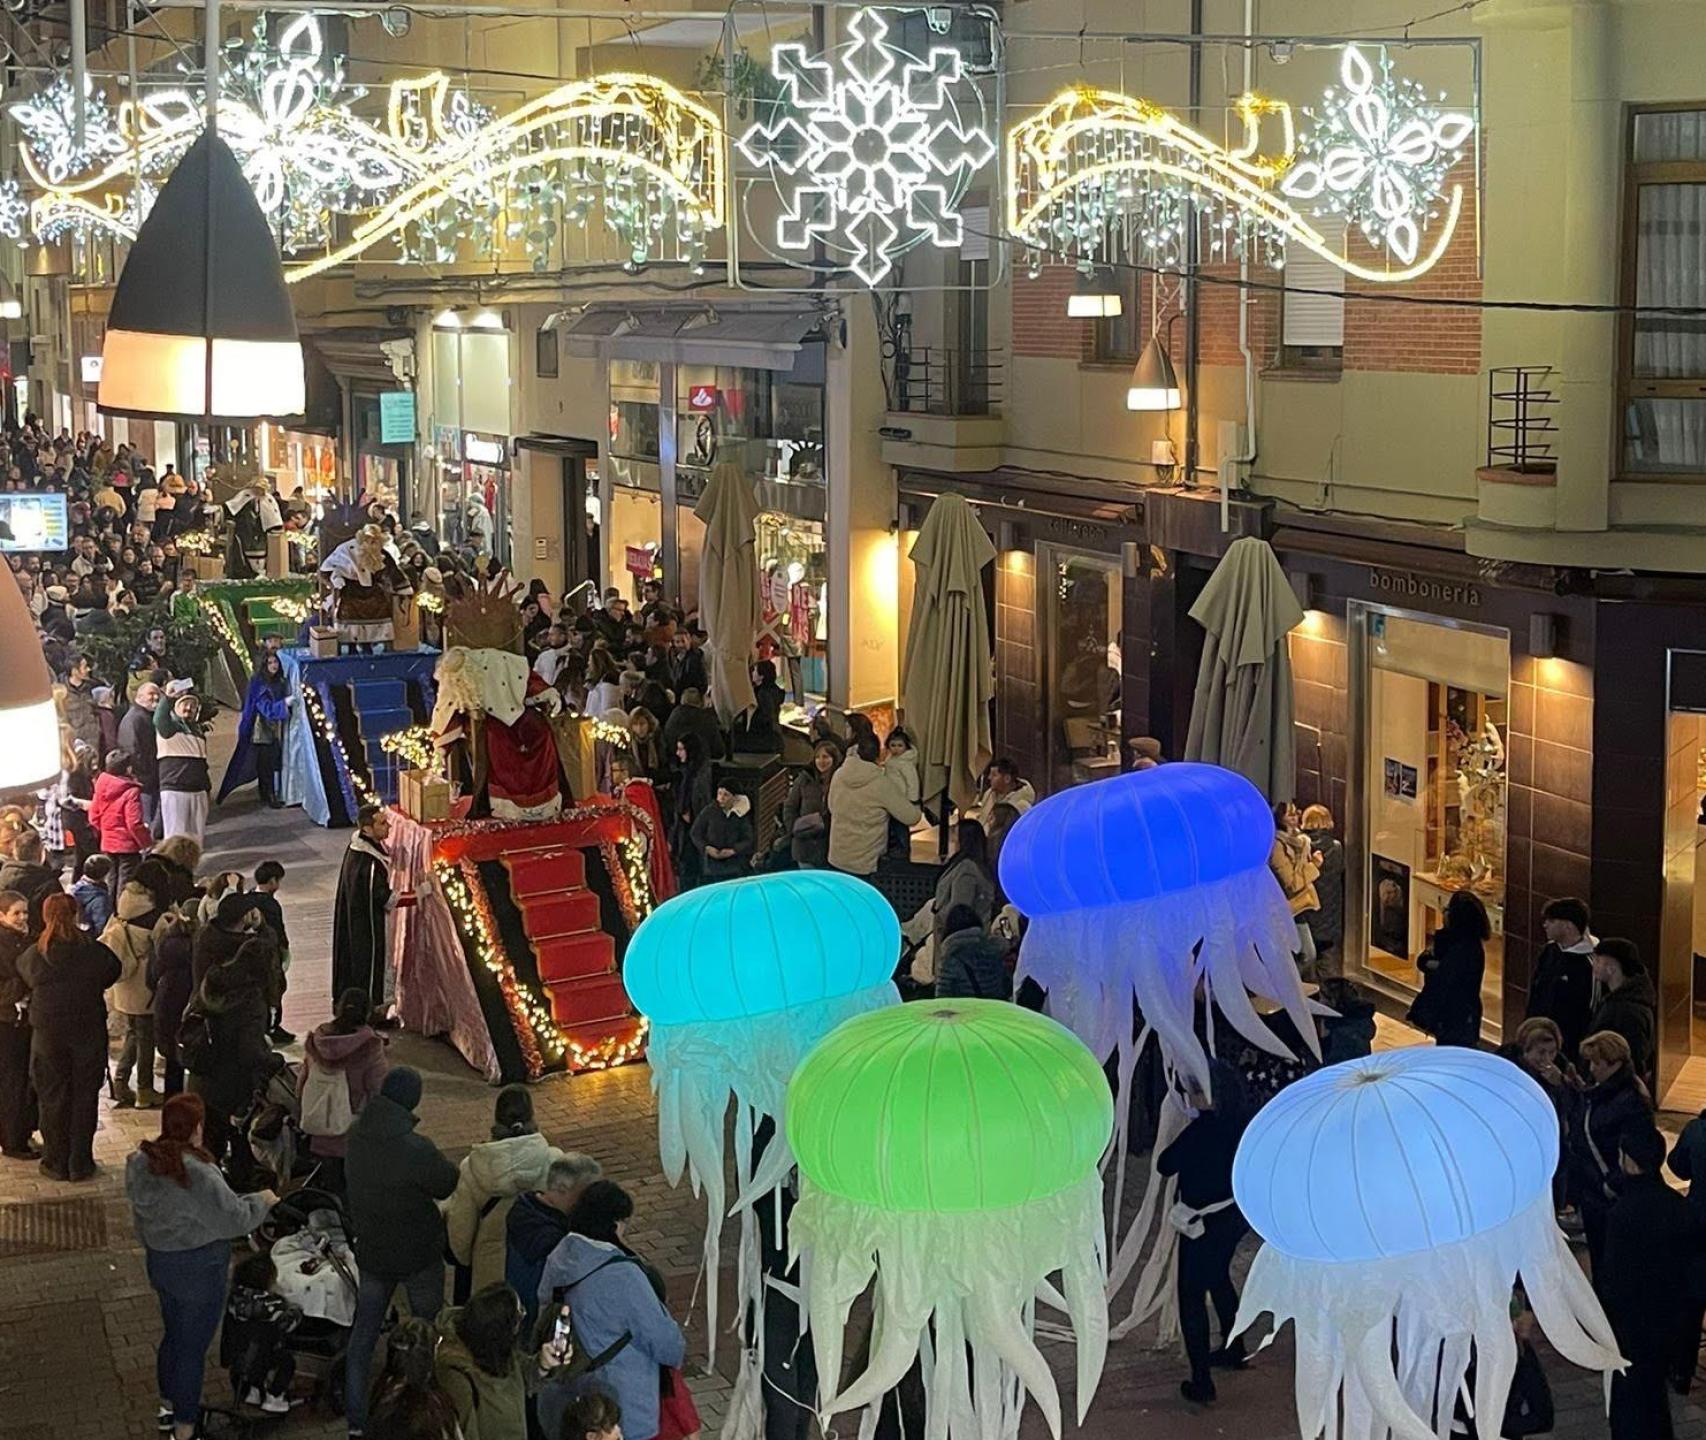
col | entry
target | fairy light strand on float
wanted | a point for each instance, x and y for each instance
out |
(364, 793)
(414, 746)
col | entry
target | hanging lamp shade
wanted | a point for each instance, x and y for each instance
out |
(202, 297)
(1095, 296)
(1154, 386)
(29, 720)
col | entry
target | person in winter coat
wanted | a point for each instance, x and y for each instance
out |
(693, 794)
(395, 1180)
(1449, 1007)
(171, 976)
(967, 879)
(17, 1093)
(79, 703)
(863, 798)
(169, 868)
(139, 740)
(805, 813)
(233, 998)
(28, 873)
(181, 748)
(1538, 1050)
(234, 922)
(480, 1365)
(1650, 1232)
(494, 1173)
(1327, 921)
(1615, 1098)
(116, 813)
(969, 963)
(130, 936)
(1201, 1157)
(348, 1046)
(1627, 1003)
(537, 1223)
(93, 894)
(1002, 786)
(691, 716)
(1296, 866)
(186, 1217)
(722, 834)
(610, 1295)
(1562, 987)
(68, 975)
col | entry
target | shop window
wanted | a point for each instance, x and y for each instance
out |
(793, 570)
(1312, 307)
(545, 354)
(1662, 369)
(1081, 597)
(1433, 788)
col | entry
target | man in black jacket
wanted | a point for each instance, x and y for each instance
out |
(395, 1180)
(1627, 1004)
(138, 739)
(1562, 988)
(1651, 1238)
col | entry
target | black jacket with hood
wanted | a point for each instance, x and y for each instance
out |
(395, 1180)
(233, 997)
(1631, 1011)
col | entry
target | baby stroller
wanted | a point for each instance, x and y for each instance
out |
(272, 1126)
(307, 1235)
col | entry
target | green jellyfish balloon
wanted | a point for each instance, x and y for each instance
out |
(949, 1154)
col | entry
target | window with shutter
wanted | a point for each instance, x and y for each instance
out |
(1312, 309)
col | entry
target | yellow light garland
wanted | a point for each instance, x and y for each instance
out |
(540, 1028)
(364, 793)
(413, 746)
(195, 542)
(291, 609)
(431, 603)
(214, 614)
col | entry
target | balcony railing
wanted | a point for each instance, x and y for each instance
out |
(934, 381)
(1522, 423)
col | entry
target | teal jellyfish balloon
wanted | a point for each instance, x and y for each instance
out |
(949, 1153)
(1399, 1198)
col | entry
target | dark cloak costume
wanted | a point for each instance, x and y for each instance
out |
(269, 701)
(359, 951)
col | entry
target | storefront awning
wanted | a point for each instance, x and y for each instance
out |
(760, 339)
(1075, 497)
(356, 353)
(565, 445)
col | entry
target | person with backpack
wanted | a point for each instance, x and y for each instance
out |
(171, 977)
(620, 1333)
(223, 1037)
(343, 1066)
(94, 894)
(480, 1365)
(395, 1178)
(537, 1223)
(514, 1161)
(130, 936)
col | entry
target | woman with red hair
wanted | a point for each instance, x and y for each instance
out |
(186, 1217)
(68, 975)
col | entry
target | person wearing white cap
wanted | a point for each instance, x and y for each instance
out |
(181, 750)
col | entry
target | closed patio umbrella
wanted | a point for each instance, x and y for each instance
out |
(728, 587)
(1241, 716)
(947, 678)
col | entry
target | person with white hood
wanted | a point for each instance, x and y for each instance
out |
(514, 1162)
(130, 936)
(863, 798)
(1002, 786)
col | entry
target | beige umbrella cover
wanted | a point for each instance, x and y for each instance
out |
(948, 678)
(1241, 716)
(728, 587)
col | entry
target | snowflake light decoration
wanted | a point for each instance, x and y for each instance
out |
(875, 145)
(1378, 153)
(14, 209)
(48, 120)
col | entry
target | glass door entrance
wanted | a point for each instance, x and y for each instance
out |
(1081, 597)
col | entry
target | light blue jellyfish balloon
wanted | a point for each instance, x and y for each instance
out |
(1400, 1197)
(739, 981)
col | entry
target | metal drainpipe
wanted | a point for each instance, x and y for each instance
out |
(1193, 256)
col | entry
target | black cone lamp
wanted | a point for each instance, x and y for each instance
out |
(201, 327)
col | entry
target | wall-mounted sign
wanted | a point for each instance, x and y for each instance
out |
(484, 449)
(396, 417)
(90, 365)
(640, 560)
(703, 397)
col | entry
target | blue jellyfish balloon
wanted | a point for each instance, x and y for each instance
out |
(739, 981)
(1153, 888)
(1401, 1196)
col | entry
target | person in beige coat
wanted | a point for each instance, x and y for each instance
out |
(513, 1162)
(862, 799)
(130, 936)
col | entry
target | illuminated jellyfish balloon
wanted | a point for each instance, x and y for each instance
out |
(950, 1150)
(1400, 1197)
(739, 980)
(1150, 888)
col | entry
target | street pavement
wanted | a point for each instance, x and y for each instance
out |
(78, 1322)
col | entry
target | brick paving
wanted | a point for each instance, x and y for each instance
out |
(78, 1322)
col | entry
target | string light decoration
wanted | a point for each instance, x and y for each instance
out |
(872, 149)
(14, 209)
(430, 601)
(288, 608)
(362, 792)
(413, 746)
(218, 619)
(442, 176)
(1096, 168)
(534, 1027)
(195, 542)
(1378, 153)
